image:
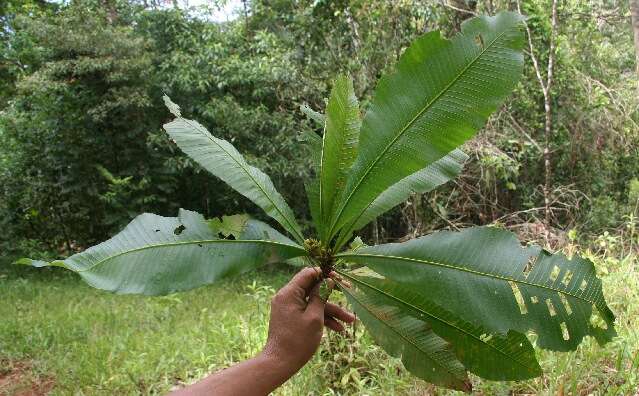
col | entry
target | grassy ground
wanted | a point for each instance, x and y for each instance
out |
(58, 334)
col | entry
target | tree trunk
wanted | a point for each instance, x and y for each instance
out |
(548, 114)
(634, 13)
(546, 88)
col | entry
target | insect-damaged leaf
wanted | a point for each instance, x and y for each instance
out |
(472, 273)
(149, 257)
(229, 226)
(222, 159)
(492, 356)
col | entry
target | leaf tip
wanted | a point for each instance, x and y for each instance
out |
(24, 261)
(173, 108)
(485, 23)
(39, 263)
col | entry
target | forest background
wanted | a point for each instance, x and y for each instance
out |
(83, 151)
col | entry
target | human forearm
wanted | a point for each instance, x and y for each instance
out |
(257, 376)
(298, 316)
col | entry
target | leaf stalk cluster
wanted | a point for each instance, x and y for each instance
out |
(320, 254)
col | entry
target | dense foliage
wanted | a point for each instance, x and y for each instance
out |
(81, 116)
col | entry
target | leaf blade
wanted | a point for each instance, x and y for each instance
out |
(157, 255)
(472, 273)
(441, 94)
(221, 159)
(491, 356)
(423, 353)
(339, 146)
(420, 182)
(317, 117)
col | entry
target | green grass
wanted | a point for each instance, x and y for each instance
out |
(91, 342)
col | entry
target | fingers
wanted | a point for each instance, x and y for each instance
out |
(298, 288)
(315, 305)
(338, 312)
(333, 314)
(333, 324)
(306, 278)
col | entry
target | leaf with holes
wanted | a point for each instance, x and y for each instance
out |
(157, 255)
(229, 226)
(483, 274)
(490, 355)
(222, 159)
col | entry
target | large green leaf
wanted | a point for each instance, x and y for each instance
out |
(222, 159)
(420, 182)
(339, 146)
(491, 356)
(440, 95)
(312, 194)
(423, 353)
(313, 145)
(159, 255)
(483, 275)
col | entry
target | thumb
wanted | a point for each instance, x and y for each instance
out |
(315, 302)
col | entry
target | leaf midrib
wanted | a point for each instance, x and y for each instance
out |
(440, 320)
(400, 333)
(340, 179)
(409, 124)
(184, 243)
(293, 230)
(463, 269)
(352, 224)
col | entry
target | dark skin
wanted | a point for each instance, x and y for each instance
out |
(298, 318)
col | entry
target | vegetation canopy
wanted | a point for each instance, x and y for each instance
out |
(448, 303)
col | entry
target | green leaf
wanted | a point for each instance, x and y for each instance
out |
(312, 140)
(420, 182)
(39, 263)
(483, 275)
(339, 146)
(229, 225)
(312, 194)
(491, 356)
(440, 95)
(160, 255)
(222, 159)
(313, 143)
(319, 118)
(423, 353)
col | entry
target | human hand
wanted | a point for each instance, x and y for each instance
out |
(298, 317)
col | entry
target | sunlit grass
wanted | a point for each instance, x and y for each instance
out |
(92, 342)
